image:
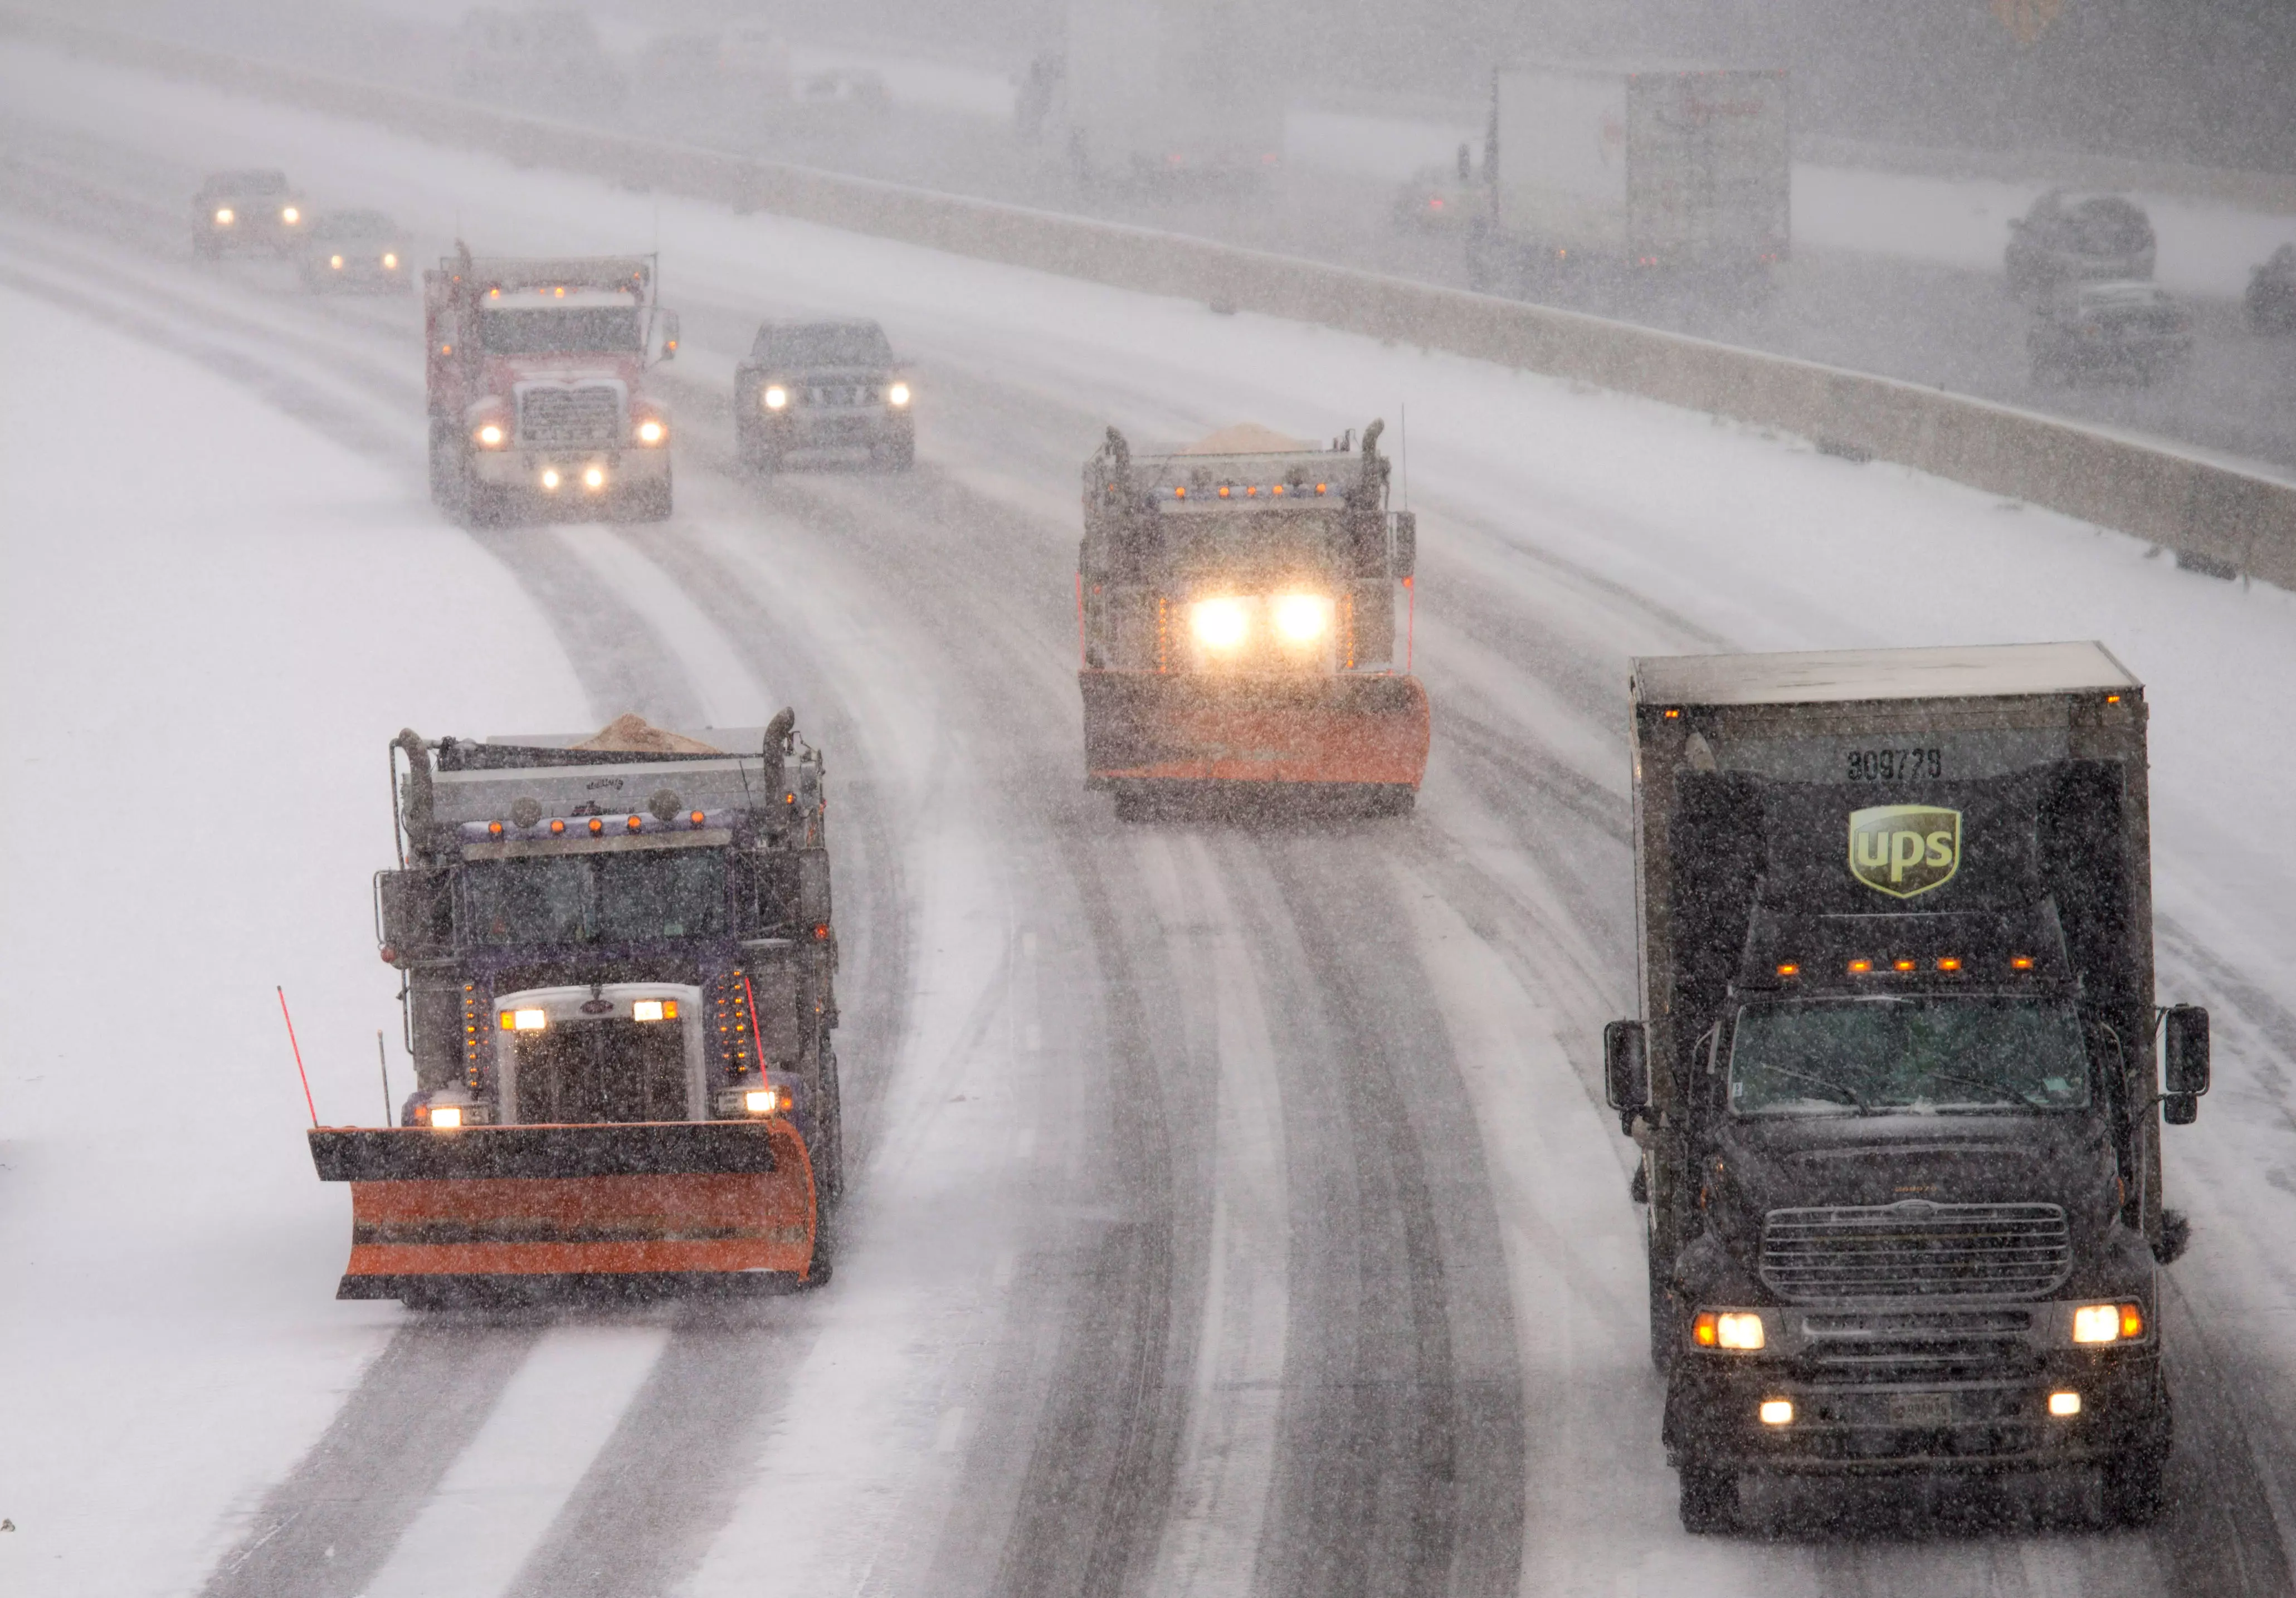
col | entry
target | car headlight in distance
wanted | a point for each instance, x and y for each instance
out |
(762, 1100)
(898, 395)
(289, 216)
(225, 216)
(390, 263)
(1302, 617)
(1219, 624)
(1740, 1330)
(651, 432)
(335, 261)
(775, 396)
(490, 434)
(446, 1117)
(2107, 1322)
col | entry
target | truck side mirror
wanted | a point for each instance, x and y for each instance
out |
(1407, 543)
(669, 335)
(2186, 1060)
(1625, 1070)
(813, 888)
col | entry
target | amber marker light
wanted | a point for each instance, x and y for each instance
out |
(1777, 1412)
(557, 829)
(1790, 969)
(1739, 1330)
(1858, 968)
(2107, 1322)
(1948, 963)
(597, 827)
(2020, 962)
(635, 822)
(695, 818)
(1901, 965)
(494, 828)
(1674, 715)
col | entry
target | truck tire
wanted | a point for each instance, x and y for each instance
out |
(1664, 1321)
(2134, 1488)
(1709, 1500)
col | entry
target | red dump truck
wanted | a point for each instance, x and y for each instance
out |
(1238, 604)
(536, 373)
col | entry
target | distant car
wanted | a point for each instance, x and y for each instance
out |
(2074, 238)
(1439, 200)
(2271, 297)
(2085, 332)
(855, 88)
(241, 212)
(809, 388)
(355, 251)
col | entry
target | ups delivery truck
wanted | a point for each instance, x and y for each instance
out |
(1895, 1081)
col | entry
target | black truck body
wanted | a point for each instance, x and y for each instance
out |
(1894, 1084)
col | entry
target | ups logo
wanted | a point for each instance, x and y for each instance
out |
(1904, 849)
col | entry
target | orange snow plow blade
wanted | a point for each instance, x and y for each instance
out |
(1156, 727)
(667, 1206)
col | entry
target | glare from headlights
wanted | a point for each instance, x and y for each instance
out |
(550, 476)
(291, 216)
(651, 431)
(224, 218)
(595, 477)
(1302, 617)
(898, 395)
(390, 263)
(490, 434)
(762, 1100)
(446, 1117)
(1220, 624)
(777, 397)
(335, 261)
(2107, 1323)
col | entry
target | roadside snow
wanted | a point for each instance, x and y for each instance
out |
(213, 621)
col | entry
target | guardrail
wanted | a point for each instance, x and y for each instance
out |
(2216, 518)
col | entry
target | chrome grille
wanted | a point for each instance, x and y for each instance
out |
(1917, 1248)
(587, 417)
(1892, 1346)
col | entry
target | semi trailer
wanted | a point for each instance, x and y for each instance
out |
(616, 959)
(1238, 606)
(1898, 1080)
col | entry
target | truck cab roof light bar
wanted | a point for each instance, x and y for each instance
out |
(555, 826)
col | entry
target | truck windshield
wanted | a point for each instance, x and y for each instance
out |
(1859, 1056)
(596, 898)
(577, 331)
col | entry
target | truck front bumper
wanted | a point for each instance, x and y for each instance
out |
(533, 471)
(1967, 1422)
(830, 427)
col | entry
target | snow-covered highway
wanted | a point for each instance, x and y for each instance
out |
(1234, 1209)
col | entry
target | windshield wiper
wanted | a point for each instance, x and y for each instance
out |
(2007, 1094)
(1850, 1095)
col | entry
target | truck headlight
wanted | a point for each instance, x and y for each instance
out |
(1219, 624)
(335, 261)
(775, 396)
(390, 263)
(898, 395)
(446, 1118)
(1302, 617)
(524, 1020)
(653, 1010)
(1740, 1330)
(762, 1100)
(593, 478)
(289, 215)
(2107, 1322)
(2064, 1403)
(1777, 1412)
(651, 432)
(490, 434)
(225, 216)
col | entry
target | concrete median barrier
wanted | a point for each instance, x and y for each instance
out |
(2216, 518)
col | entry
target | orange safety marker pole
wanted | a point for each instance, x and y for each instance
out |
(297, 1047)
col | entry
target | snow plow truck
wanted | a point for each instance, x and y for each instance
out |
(537, 378)
(617, 962)
(1237, 602)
